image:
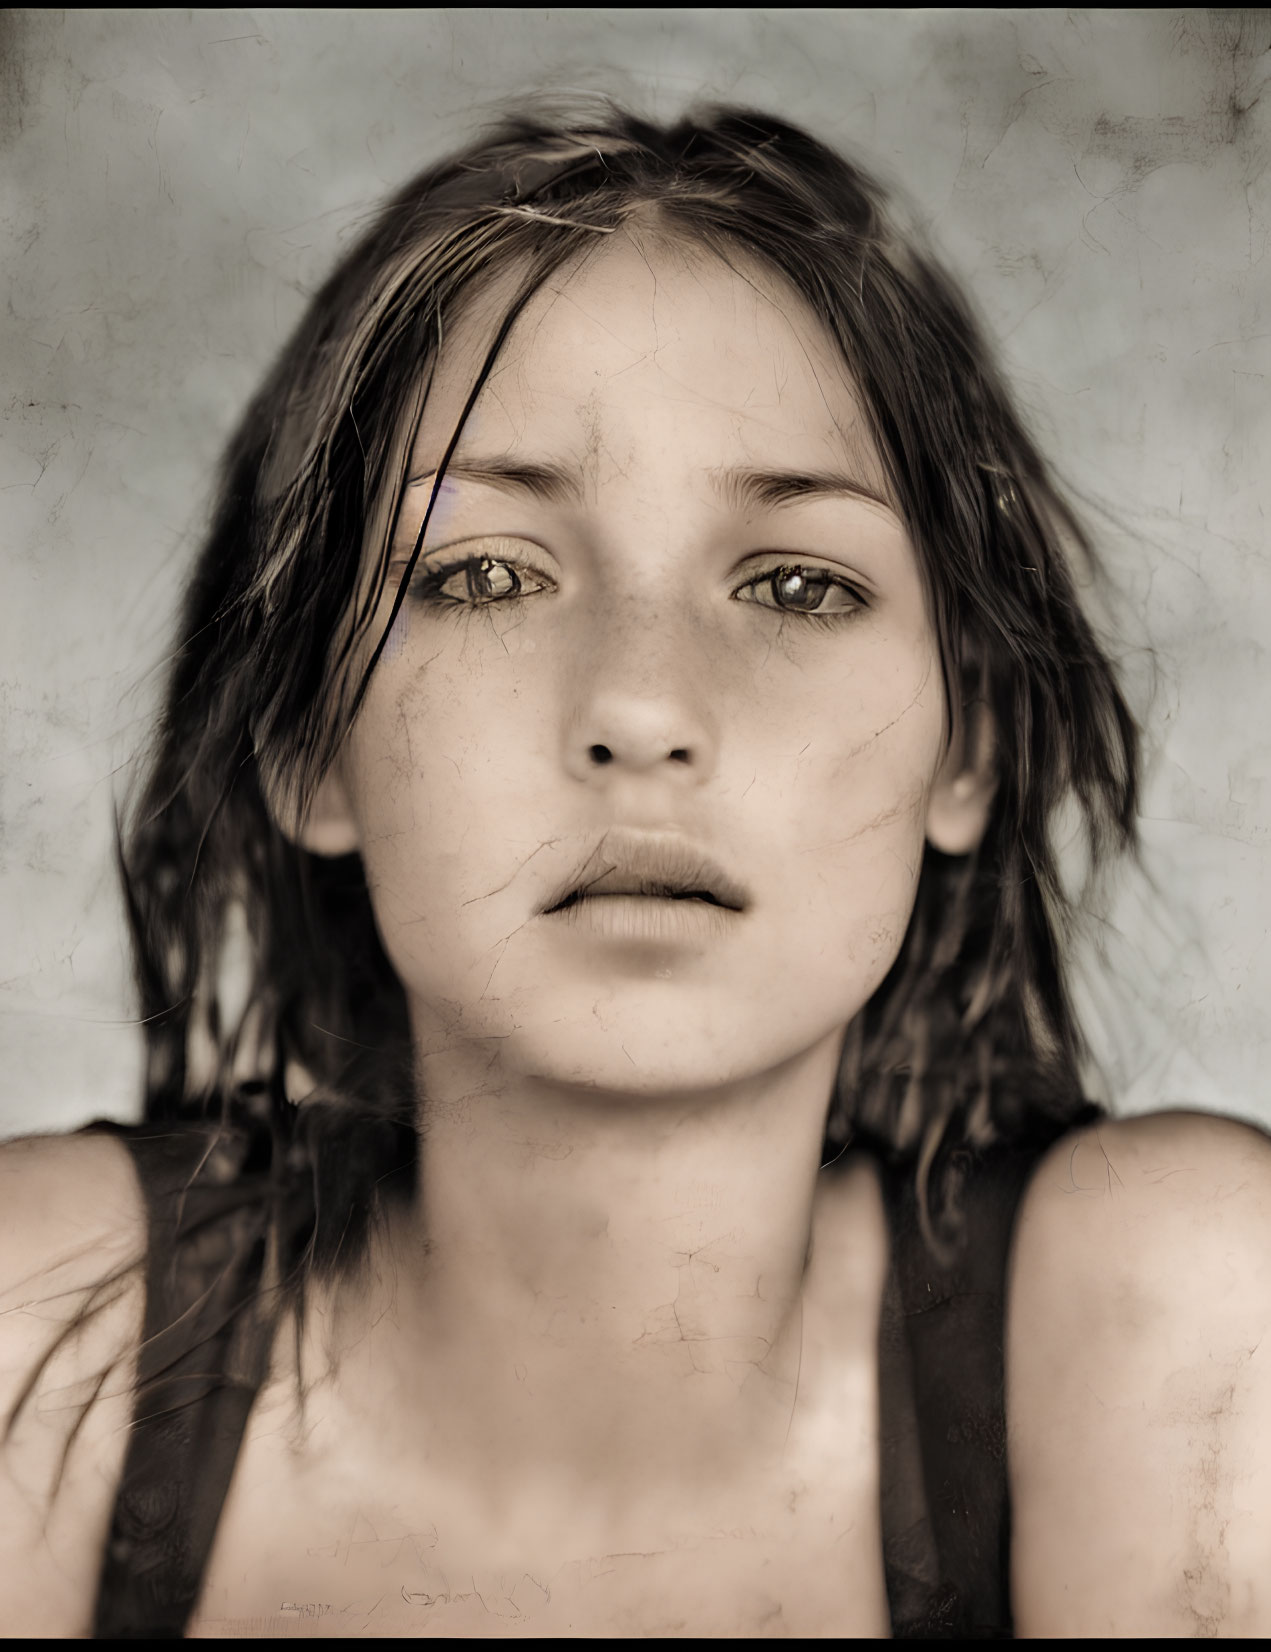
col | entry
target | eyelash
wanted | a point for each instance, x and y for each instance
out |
(426, 587)
(833, 617)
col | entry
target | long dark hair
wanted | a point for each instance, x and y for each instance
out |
(971, 1038)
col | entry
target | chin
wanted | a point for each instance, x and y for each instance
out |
(642, 1022)
(637, 1068)
(653, 1044)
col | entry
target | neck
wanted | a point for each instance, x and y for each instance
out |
(593, 1287)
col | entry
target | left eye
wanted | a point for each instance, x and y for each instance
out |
(801, 591)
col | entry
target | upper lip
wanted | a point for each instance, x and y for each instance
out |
(665, 866)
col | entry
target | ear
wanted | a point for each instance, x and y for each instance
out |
(961, 801)
(327, 826)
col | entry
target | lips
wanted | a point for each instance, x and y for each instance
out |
(660, 868)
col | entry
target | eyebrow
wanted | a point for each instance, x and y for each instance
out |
(555, 484)
(740, 487)
(765, 489)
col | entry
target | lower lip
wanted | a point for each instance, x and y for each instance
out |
(646, 918)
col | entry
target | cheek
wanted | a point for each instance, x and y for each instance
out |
(453, 772)
(855, 848)
(439, 775)
(861, 739)
(851, 805)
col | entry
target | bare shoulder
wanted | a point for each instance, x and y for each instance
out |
(60, 1191)
(72, 1241)
(1139, 1381)
(73, 1219)
(1137, 1168)
(1155, 1207)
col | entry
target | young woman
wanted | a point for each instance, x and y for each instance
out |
(601, 949)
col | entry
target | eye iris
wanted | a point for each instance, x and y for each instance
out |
(489, 580)
(797, 589)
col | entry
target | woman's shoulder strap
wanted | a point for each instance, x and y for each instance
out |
(944, 1410)
(203, 1358)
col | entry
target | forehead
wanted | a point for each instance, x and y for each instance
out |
(647, 353)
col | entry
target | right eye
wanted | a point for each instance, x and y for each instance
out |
(478, 582)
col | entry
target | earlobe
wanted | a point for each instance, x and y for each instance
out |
(961, 801)
(327, 827)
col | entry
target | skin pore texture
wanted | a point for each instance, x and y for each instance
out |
(594, 1337)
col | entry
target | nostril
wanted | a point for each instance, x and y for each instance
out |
(600, 754)
(679, 755)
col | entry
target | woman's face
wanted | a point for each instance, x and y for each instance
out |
(667, 651)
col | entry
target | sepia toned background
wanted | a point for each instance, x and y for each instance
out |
(174, 183)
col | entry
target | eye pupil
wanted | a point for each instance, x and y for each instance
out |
(797, 589)
(488, 580)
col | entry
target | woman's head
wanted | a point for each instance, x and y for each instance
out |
(593, 678)
(634, 503)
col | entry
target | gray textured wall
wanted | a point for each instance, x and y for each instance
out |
(172, 184)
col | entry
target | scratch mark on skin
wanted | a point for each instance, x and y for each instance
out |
(502, 946)
(1074, 1186)
(874, 824)
(563, 295)
(903, 712)
(548, 843)
(1111, 1171)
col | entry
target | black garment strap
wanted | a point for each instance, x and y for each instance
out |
(911, 1560)
(203, 1358)
(945, 1493)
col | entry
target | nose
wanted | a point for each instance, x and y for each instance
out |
(641, 704)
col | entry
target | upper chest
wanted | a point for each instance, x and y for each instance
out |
(329, 1530)
(371, 1552)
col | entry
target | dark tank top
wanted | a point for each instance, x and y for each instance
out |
(208, 1331)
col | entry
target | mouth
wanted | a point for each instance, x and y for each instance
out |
(649, 869)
